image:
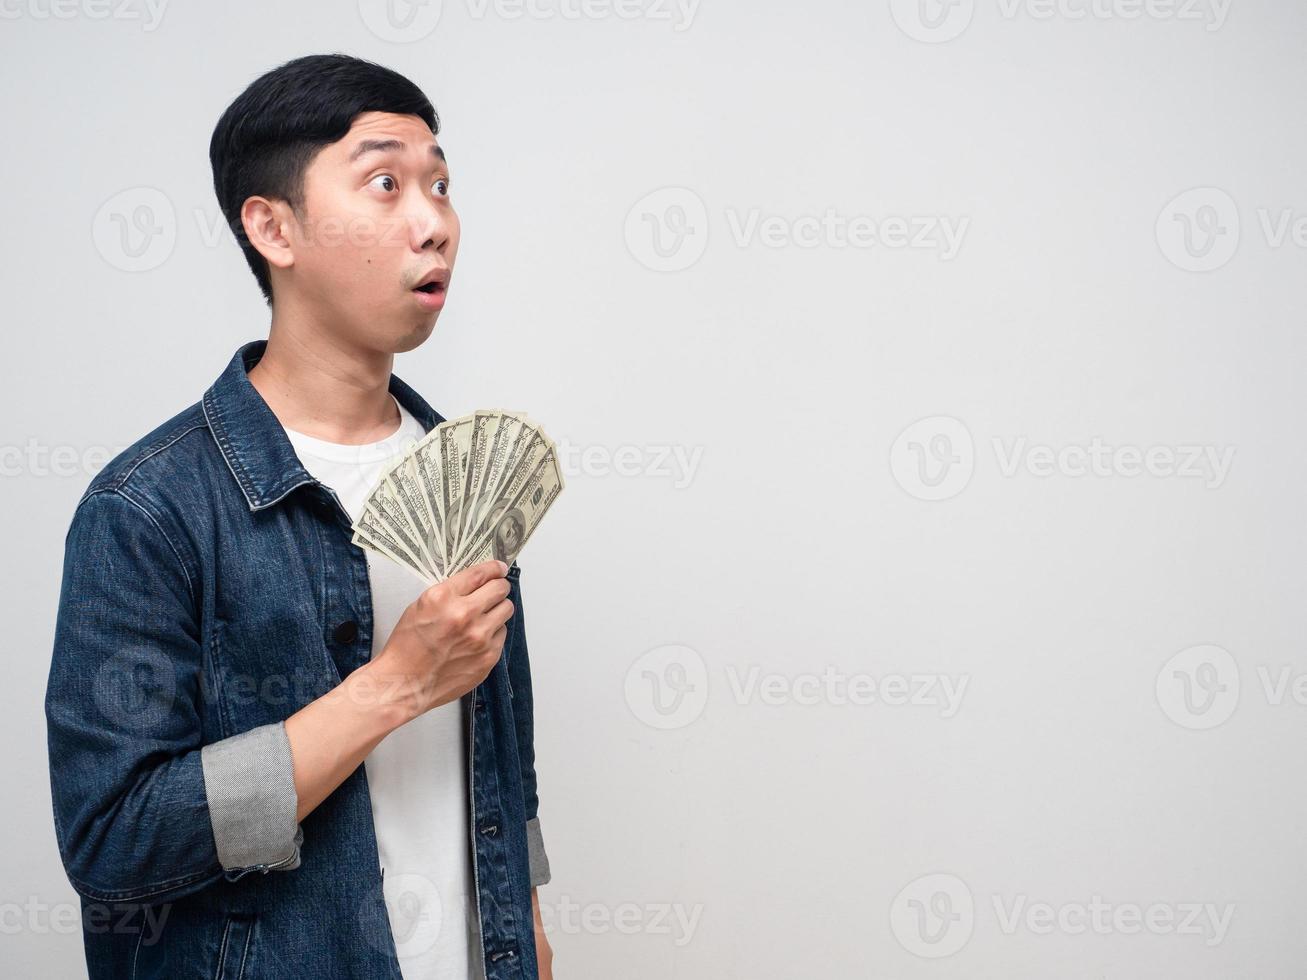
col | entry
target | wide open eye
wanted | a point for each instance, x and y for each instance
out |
(378, 177)
(442, 182)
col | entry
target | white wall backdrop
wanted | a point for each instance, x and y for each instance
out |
(926, 598)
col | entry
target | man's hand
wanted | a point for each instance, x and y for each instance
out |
(445, 644)
(544, 953)
(448, 640)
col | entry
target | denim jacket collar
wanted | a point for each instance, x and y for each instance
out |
(252, 439)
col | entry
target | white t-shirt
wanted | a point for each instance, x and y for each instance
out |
(417, 775)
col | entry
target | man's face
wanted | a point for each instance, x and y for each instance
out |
(377, 222)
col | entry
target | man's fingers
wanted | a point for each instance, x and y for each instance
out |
(490, 595)
(501, 613)
(470, 579)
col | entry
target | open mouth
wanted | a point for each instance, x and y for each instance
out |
(431, 287)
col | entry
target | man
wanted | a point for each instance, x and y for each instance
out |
(270, 755)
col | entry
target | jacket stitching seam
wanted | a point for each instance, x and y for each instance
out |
(240, 973)
(136, 953)
(145, 453)
(229, 452)
(125, 894)
(121, 494)
(177, 553)
(157, 448)
(222, 951)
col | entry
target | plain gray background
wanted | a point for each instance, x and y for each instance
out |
(895, 349)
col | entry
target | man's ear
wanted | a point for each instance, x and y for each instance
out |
(265, 223)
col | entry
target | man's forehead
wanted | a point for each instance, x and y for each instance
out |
(364, 147)
(380, 132)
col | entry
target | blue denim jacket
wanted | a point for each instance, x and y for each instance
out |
(210, 590)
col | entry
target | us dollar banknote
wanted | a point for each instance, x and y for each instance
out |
(474, 488)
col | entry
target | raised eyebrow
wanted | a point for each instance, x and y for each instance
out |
(390, 146)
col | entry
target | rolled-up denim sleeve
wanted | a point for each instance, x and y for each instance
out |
(250, 784)
(142, 809)
(519, 679)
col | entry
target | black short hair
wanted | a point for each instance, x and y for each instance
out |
(269, 135)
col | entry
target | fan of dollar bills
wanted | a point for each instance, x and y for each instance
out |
(473, 489)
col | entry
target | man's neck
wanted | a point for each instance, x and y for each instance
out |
(325, 390)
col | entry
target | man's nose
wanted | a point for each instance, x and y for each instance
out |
(428, 225)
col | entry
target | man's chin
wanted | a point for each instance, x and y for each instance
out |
(415, 338)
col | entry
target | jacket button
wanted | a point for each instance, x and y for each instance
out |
(346, 632)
